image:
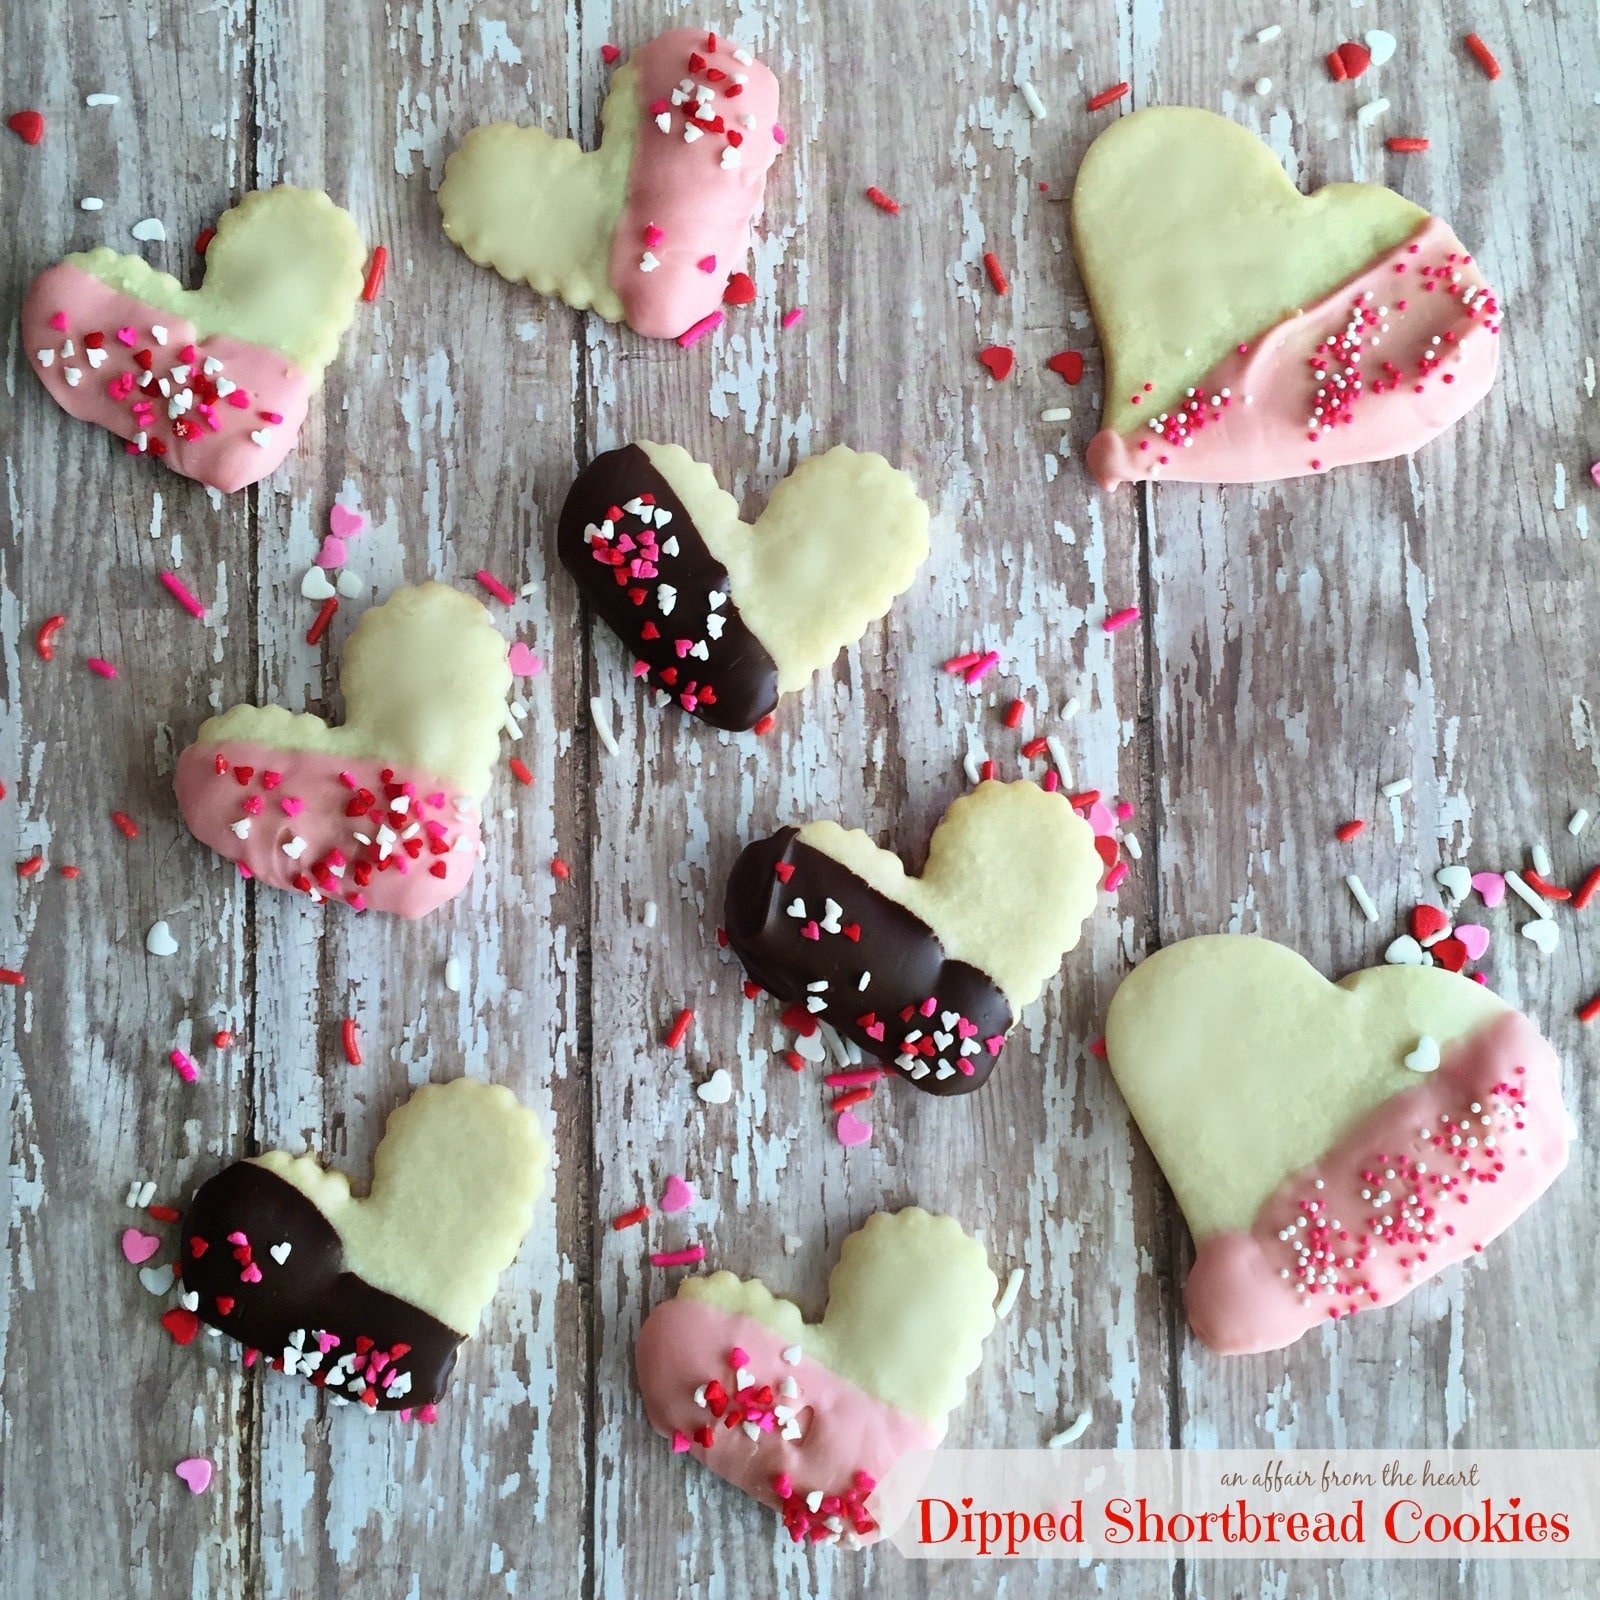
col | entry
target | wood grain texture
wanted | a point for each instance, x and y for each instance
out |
(1300, 646)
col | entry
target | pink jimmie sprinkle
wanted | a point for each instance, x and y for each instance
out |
(1120, 619)
(693, 336)
(679, 1258)
(795, 313)
(851, 1080)
(495, 587)
(984, 665)
(1115, 877)
(102, 669)
(180, 591)
(1594, 471)
(185, 1068)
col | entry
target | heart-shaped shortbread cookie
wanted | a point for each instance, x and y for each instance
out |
(370, 1297)
(723, 616)
(380, 812)
(808, 1417)
(214, 381)
(650, 226)
(931, 972)
(1331, 1145)
(1252, 332)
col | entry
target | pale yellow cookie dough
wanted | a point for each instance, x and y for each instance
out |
(284, 270)
(425, 680)
(1191, 238)
(453, 1186)
(1011, 877)
(909, 1306)
(1242, 1064)
(841, 537)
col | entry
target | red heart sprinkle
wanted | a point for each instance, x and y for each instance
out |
(182, 1325)
(1356, 58)
(1427, 921)
(740, 291)
(1450, 954)
(649, 631)
(1069, 363)
(697, 61)
(609, 53)
(1106, 848)
(852, 931)
(198, 1247)
(224, 1304)
(999, 359)
(784, 871)
(27, 125)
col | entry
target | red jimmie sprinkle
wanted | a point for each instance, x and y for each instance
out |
(962, 663)
(164, 1213)
(519, 771)
(1484, 56)
(1406, 144)
(380, 261)
(68, 872)
(494, 586)
(1083, 799)
(559, 868)
(1108, 97)
(1015, 712)
(44, 641)
(882, 201)
(986, 772)
(851, 1097)
(1591, 886)
(1035, 748)
(129, 828)
(679, 1031)
(315, 632)
(350, 1034)
(202, 240)
(794, 1061)
(1346, 831)
(1551, 891)
(11, 976)
(26, 869)
(629, 1219)
(1097, 1047)
(27, 125)
(997, 273)
(1590, 1009)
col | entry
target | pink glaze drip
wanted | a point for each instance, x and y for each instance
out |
(1254, 416)
(844, 1430)
(203, 426)
(1445, 1201)
(327, 801)
(683, 205)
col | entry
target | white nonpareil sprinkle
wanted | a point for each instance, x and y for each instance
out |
(601, 713)
(1542, 863)
(1359, 891)
(1534, 902)
(1008, 1295)
(90, 203)
(1073, 1431)
(101, 100)
(1580, 821)
(1056, 414)
(1371, 111)
(1268, 34)
(452, 974)
(1399, 787)
(1030, 98)
(649, 913)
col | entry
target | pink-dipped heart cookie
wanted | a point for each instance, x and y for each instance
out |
(213, 381)
(691, 127)
(1331, 1145)
(382, 811)
(809, 1417)
(1252, 332)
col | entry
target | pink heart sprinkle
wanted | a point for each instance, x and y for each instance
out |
(523, 662)
(196, 1473)
(851, 1130)
(707, 263)
(680, 1441)
(653, 236)
(1101, 820)
(251, 1274)
(811, 931)
(778, 135)
(876, 1032)
(334, 552)
(292, 805)
(967, 1030)
(128, 336)
(738, 1357)
(59, 322)
(676, 1195)
(238, 1238)
(344, 522)
(139, 1247)
(326, 1341)
(1474, 938)
(1491, 887)
(1594, 472)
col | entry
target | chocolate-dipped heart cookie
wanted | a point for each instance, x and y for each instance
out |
(1331, 1145)
(371, 1298)
(723, 616)
(1252, 332)
(930, 972)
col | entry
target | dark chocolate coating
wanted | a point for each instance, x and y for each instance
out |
(737, 684)
(309, 1291)
(902, 954)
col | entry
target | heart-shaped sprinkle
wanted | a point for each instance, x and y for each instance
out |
(1455, 880)
(741, 290)
(707, 263)
(196, 1473)
(1542, 933)
(1069, 363)
(350, 584)
(1404, 952)
(344, 522)
(1380, 46)
(717, 1090)
(1425, 1058)
(522, 661)
(850, 1130)
(999, 359)
(334, 552)
(1474, 938)
(128, 336)
(27, 125)
(1491, 887)
(1451, 954)
(677, 1194)
(139, 1247)
(316, 585)
(1426, 921)
(280, 1252)
(158, 1280)
(149, 230)
(1355, 58)
(159, 941)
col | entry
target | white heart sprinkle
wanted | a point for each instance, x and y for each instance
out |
(669, 547)
(46, 357)
(158, 333)
(666, 598)
(649, 261)
(663, 517)
(664, 121)
(350, 585)
(714, 625)
(225, 387)
(241, 828)
(716, 599)
(189, 1300)
(690, 133)
(1381, 45)
(316, 585)
(73, 376)
(159, 940)
(295, 848)
(1404, 952)
(1425, 1058)
(280, 1252)
(261, 436)
(717, 1090)
(152, 230)
(96, 359)
(1455, 880)
(158, 1280)
(1543, 933)
(796, 908)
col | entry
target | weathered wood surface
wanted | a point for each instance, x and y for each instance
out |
(1300, 646)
